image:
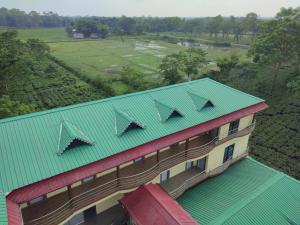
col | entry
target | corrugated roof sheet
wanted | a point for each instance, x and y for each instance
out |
(151, 205)
(165, 111)
(29, 143)
(3, 212)
(69, 133)
(247, 193)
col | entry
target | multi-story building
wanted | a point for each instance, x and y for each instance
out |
(75, 164)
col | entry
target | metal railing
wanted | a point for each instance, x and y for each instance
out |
(196, 179)
(95, 194)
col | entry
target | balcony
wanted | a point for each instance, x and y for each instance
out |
(178, 184)
(58, 208)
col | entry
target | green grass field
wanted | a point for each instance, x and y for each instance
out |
(107, 57)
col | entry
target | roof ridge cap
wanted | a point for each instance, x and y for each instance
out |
(160, 203)
(79, 105)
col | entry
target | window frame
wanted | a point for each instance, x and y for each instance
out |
(234, 127)
(37, 200)
(88, 179)
(137, 160)
(228, 152)
(161, 175)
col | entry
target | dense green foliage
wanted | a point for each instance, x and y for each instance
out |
(226, 26)
(187, 61)
(276, 139)
(88, 27)
(31, 80)
(18, 18)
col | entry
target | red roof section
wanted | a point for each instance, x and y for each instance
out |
(151, 205)
(13, 213)
(51, 184)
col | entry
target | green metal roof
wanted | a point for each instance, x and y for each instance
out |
(123, 122)
(165, 111)
(3, 214)
(199, 101)
(29, 143)
(247, 193)
(69, 133)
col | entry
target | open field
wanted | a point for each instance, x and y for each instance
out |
(107, 56)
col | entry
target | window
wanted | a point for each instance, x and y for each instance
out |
(201, 164)
(164, 176)
(188, 165)
(138, 159)
(88, 179)
(36, 200)
(233, 127)
(228, 153)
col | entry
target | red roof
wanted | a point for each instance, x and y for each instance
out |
(151, 205)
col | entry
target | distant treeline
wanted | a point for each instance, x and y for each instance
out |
(20, 19)
(225, 26)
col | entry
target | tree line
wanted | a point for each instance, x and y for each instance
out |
(236, 26)
(19, 19)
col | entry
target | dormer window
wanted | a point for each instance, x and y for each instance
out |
(125, 122)
(166, 111)
(200, 102)
(71, 137)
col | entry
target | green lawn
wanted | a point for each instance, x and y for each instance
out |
(44, 34)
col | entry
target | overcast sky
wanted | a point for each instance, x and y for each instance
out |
(182, 8)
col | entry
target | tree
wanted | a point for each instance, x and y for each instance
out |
(170, 69)
(127, 25)
(214, 25)
(86, 26)
(273, 46)
(102, 30)
(134, 79)
(227, 63)
(250, 23)
(190, 61)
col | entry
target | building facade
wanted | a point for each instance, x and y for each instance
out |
(68, 165)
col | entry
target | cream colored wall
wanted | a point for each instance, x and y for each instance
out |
(245, 122)
(177, 169)
(126, 164)
(215, 157)
(106, 172)
(109, 202)
(156, 180)
(223, 131)
(57, 192)
(151, 154)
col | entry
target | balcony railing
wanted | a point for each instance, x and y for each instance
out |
(177, 185)
(58, 208)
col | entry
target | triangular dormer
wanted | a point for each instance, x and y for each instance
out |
(200, 102)
(125, 122)
(166, 111)
(71, 137)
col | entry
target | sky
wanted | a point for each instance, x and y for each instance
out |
(162, 8)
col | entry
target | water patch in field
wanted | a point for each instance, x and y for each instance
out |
(126, 56)
(160, 55)
(142, 46)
